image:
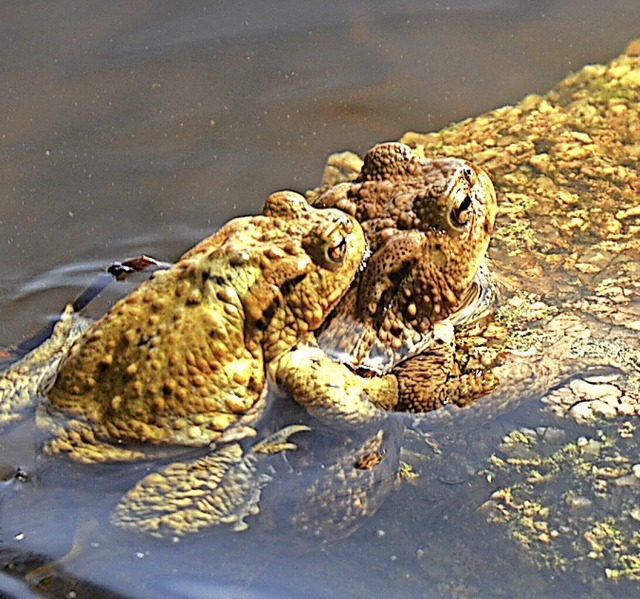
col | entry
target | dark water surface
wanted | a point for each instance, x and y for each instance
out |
(129, 127)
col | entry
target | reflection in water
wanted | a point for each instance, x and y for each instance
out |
(401, 550)
(134, 120)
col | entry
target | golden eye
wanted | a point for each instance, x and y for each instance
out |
(460, 212)
(328, 247)
(336, 250)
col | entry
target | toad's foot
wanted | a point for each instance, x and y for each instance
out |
(426, 384)
(432, 380)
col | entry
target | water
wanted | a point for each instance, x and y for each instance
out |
(136, 127)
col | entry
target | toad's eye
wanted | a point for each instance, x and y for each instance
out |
(336, 250)
(460, 212)
(330, 246)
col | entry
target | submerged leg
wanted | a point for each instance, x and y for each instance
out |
(20, 382)
(77, 440)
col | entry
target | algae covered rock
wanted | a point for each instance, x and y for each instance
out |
(566, 258)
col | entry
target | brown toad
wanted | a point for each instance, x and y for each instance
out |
(428, 223)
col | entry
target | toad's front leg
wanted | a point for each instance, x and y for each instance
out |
(329, 390)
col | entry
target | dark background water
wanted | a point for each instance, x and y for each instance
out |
(129, 127)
